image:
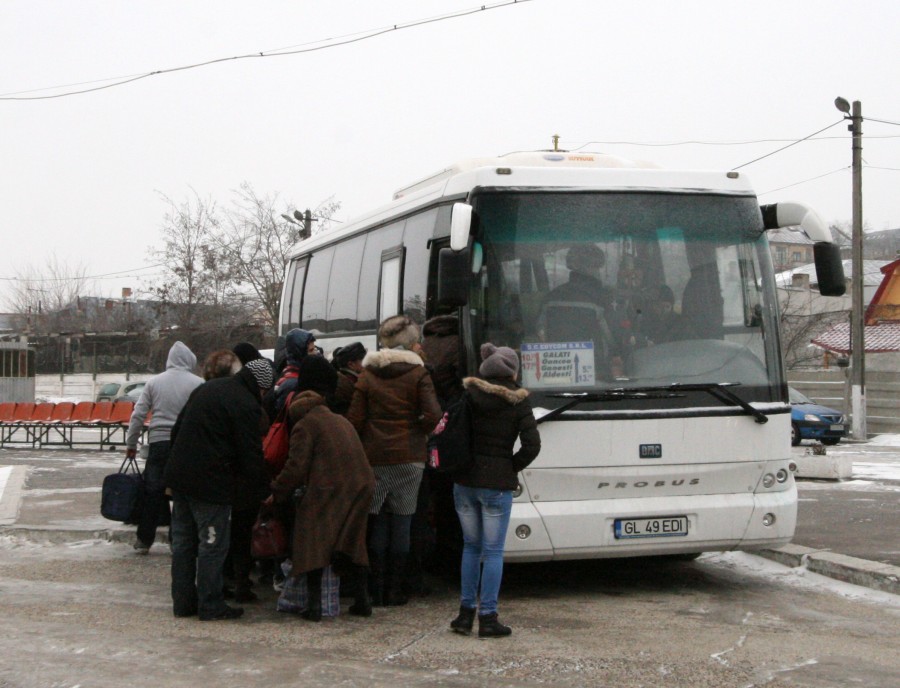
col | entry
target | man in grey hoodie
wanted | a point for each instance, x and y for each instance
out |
(165, 395)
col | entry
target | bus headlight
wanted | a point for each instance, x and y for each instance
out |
(518, 491)
(782, 475)
(792, 467)
(768, 520)
(523, 532)
(768, 480)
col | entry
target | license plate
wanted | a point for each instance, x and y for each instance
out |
(667, 526)
(837, 428)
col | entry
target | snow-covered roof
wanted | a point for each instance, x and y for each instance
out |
(871, 273)
(880, 339)
(787, 235)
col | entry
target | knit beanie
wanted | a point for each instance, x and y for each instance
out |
(498, 361)
(398, 330)
(261, 370)
(318, 375)
(246, 352)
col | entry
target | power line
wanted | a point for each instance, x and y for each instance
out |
(664, 144)
(880, 121)
(781, 188)
(83, 277)
(778, 150)
(278, 52)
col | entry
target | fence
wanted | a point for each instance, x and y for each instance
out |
(829, 387)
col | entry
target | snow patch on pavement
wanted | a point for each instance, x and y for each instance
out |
(741, 564)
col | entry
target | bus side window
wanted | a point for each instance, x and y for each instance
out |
(377, 242)
(343, 287)
(389, 283)
(315, 293)
(416, 237)
(293, 296)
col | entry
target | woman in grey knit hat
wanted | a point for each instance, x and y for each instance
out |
(483, 494)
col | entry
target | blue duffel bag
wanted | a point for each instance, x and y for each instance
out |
(122, 494)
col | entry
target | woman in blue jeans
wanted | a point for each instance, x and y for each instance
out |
(483, 494)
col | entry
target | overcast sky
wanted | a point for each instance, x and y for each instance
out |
(83, 174)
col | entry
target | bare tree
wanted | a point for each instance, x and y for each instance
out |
(197, 289)
(804, 315)
(254, 242)
(43, 293)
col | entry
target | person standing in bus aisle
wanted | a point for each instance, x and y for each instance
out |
(578, 309)
(328, 461)
(164, 396)
(216, 451)
(484, 494)
(394, 408)
(661, 322)
(347, 361)
(298, 344)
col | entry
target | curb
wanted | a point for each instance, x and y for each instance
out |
(870, 574)
(57, 536)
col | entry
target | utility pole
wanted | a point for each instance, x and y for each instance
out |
(857, 328)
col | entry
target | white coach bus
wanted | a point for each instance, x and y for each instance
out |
(642, 302)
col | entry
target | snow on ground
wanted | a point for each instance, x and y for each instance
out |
(885, 441)
(745, 564)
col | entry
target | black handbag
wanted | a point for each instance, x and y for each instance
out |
(122, 494)
(450, 446)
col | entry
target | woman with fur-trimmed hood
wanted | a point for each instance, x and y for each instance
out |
(394, 408)
(483, 494)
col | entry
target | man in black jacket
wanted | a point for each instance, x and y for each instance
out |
(215, 446)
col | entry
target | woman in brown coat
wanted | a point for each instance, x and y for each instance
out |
(328, 463)
(394, 408)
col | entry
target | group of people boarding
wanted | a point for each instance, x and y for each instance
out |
(350, 485)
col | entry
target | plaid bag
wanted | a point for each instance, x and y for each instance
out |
(294, 596)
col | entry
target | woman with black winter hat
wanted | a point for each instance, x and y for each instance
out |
(347, 361)
(483, 495)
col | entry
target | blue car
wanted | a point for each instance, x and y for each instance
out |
(812, 421)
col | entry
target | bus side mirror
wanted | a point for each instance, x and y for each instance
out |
(460, 225)
(453, 278)
(829, 269)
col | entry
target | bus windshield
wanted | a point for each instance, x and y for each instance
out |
(607, 290)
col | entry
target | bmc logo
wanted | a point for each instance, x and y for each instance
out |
(651, 451)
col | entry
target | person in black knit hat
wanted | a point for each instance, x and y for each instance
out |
(328, 462)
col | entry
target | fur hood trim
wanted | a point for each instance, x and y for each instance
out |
(385, 357)
(513, 396)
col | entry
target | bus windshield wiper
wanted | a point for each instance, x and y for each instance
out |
(719, 390)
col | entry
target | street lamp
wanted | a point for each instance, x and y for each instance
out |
(302, 220)
(857, 324)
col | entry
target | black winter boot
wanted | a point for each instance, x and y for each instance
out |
(490, 627)
(362, 606)
(314, 588)
(464, 622)
(396, 593)
(376, 578)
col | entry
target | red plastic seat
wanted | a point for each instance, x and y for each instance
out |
(42, 412)
(7, 411)
(101, 413)
(121, 413)
(81, 413)
(23, 412)
(62, 412)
